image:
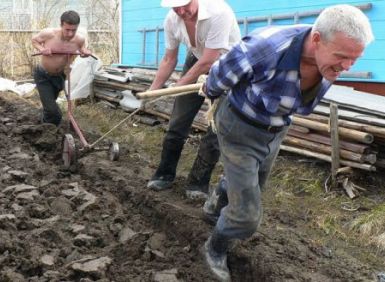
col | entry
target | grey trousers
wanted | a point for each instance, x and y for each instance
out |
(248, 154)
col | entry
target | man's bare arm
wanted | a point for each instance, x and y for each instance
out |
(84, 51)
(38, 41)
(166, 67)
(202, 66)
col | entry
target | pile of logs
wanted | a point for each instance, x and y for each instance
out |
(110, 82)
(110, 85)
(359, 143)
(361, 129)
(361, 133)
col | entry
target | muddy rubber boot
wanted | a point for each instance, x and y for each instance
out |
(198, 179)
(214, 204)
(215, 251)
(165, 174)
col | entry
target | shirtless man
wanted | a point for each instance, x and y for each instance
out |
(50, 75)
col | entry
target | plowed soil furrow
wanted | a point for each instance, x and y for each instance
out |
(98, 222)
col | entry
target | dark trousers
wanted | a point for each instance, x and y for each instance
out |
(184, 111)
(49, 87)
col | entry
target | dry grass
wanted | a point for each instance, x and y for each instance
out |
(371, 226)
(15, 59)
(298, 187)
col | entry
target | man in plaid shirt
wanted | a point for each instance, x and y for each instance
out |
(271, 74)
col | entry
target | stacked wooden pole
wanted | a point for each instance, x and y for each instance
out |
(359, 142)
(361, 135)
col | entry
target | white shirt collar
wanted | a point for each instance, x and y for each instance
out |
(203, 12)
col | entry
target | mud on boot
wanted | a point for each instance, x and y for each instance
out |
(214, 204)
(199, 178)
(215, 252)
(160, 183)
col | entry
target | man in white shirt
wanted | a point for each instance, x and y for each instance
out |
(209, 29)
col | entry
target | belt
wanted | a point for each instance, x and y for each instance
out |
(268, 128)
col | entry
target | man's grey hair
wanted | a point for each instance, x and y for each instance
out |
(346, 19)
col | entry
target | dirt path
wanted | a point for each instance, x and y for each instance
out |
(100, 223)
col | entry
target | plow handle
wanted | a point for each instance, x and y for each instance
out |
(64, 53)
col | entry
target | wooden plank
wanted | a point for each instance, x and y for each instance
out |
(326, 149)
(107, 98)
(307, 153)
(353, 116)
(108, 93)
(375, 130)
(122, 77)
(346, 145)
(121, 86)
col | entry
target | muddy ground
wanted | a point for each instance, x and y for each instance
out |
(98, 222)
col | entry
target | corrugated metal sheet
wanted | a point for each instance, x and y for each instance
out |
(366, 102)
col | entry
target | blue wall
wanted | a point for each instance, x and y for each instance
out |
(139, 14)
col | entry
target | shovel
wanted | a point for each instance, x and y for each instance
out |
(132, 101)
(138, 101)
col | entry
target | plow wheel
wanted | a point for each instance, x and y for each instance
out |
(69, 150)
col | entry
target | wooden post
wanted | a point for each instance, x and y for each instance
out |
(335, 143)
(92, 95)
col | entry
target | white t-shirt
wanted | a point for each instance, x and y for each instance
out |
(216, 28)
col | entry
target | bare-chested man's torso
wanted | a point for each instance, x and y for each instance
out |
(52, 38)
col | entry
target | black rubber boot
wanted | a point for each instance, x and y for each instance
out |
(165, 174)
(215, 251)
(198, 179)
(214, 204)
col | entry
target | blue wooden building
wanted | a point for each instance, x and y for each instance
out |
(142, 39)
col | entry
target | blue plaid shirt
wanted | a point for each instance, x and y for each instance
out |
(262, 75)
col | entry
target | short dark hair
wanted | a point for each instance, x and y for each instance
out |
(70, 17)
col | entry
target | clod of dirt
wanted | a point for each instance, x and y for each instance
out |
(94, 266)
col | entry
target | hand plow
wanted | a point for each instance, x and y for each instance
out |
(70, 152)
